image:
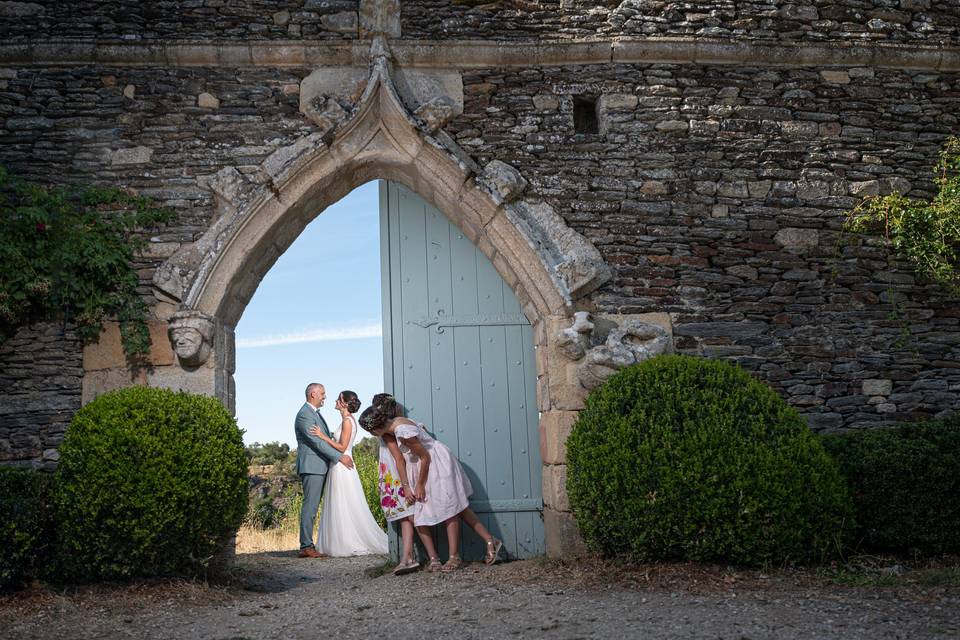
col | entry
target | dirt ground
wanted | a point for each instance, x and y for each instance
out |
(276, 595)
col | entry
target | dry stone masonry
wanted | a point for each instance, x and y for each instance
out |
(648, 177)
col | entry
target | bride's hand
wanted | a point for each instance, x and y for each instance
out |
(318, 432)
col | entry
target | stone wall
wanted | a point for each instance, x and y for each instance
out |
(928, 21)
(41, 370)
(717, 193)
(134, 20)
(805, 20)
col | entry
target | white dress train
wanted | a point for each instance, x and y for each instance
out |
(347, 527)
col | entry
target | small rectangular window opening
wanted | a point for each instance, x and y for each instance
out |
(585, 114)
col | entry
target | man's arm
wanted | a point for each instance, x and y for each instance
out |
(321, 448)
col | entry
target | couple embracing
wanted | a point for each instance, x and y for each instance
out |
(326, 470)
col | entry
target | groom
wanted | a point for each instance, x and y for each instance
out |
(313, 459)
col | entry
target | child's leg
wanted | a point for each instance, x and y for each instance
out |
(453, 535)
(406, 536)
(427, 540)
(474, 523)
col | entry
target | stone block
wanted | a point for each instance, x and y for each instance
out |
(562, 537)
(618, 101)
(136, 155)
(107, 352)
(555, 428)
(795, 238)
(835, 77)
(281, 18)
(343, 22)
(546, 102)
(208, 101)
(97, 383)
(555, 487)
(877, 387)
(202, 380)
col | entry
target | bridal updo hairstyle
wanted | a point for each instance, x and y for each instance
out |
(383, 408)
(351, 400)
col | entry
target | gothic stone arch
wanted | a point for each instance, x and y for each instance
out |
(374, 123)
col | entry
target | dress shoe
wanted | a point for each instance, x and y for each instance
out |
(309, 552)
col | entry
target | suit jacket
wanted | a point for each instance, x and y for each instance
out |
(313, 454)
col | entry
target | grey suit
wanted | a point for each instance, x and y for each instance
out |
(313, 459)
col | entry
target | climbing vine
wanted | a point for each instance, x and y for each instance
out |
(926, 234)
(66, 255)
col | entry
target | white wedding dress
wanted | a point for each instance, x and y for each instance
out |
(346, 526)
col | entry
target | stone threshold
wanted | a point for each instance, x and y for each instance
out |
(467, 54)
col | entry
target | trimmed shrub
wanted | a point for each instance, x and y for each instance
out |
(150, 482)
(26, 526)
(687, 458)
(905, 482)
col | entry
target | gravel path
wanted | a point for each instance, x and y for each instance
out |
(285, 597)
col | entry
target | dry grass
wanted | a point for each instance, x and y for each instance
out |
(256, 540)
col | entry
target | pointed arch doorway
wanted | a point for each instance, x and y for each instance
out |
(459, 355)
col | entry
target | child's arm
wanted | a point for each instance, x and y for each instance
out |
(420, 492)
(345, 433)
(394, 449)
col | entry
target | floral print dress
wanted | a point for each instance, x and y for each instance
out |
(392, 499)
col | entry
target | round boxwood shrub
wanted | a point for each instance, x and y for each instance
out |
(26, 525)
(688, 458)
(150, 482)
(905, 481)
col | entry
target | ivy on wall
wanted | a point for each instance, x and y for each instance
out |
(926, 234)
(66, 254)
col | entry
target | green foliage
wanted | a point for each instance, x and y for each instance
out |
(150, 482)
(26, 525)
(906, 485)
(368, 467)
(66, 253)
(267, 454)
(927, 234)
(687, 458)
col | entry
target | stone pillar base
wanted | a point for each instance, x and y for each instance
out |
(562, 537)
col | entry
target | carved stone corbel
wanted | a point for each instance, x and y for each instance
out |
(597, 357)
(191, 335)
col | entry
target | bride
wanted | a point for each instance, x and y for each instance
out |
(346, 526)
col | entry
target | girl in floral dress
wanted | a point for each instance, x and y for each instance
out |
(396, 499)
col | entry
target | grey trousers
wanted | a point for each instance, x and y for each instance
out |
(312, 492)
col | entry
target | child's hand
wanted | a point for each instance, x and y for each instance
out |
(408, 494)
(420, 494)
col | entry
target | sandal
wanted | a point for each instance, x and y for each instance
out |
(406, 567)
(435, 565)
(452, 564)
(493, 551)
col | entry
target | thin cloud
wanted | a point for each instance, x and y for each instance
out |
(322, 334)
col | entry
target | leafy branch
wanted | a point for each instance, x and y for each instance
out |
(926, 234)
(66, 254)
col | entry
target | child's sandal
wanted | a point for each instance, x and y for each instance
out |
(452, 564)
(435, 565)
(493, 551)
(406, 567)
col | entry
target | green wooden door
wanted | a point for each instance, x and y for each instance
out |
(458, 353)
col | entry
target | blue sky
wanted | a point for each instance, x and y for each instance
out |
(314, 318)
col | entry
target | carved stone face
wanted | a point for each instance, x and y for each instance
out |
(191, 336)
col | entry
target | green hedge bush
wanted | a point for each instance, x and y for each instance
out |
(687, 458)
(905, 482)
(150, 482)
(26, 525)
